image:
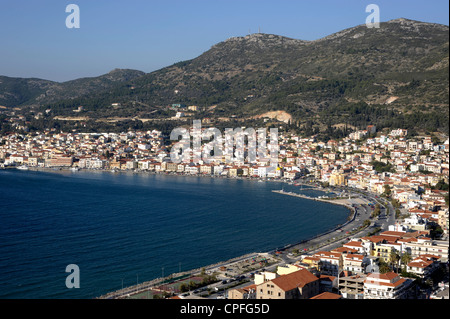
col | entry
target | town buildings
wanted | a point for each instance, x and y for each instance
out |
(411, 171)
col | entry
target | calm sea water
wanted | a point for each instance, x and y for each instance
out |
(128, 227)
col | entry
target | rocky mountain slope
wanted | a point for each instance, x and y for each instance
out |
(396, 75)
(32, 91)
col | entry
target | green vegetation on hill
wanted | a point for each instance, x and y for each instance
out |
(381, 167)
(329, 86)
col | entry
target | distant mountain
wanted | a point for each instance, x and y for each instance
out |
(32, 91)
(396, 75)
(404, 58)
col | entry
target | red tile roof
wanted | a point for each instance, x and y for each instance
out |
(294, 280)
(327, 295)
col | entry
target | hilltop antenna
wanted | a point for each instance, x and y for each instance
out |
(259, 29)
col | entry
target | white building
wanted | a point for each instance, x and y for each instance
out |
(385, 286)
(423, 266)
(264, 276)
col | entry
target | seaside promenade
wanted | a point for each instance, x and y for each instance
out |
(233, 268)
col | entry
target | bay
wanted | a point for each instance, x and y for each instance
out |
(130, 228)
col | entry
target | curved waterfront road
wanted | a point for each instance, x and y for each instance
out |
(332, 239)
(336, 238)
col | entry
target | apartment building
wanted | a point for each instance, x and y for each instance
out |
(386, 286)
(352, 287)
(60, 161)
(424, 265)
(330, 263)
(248, 292)
(355, 263)
(300, 284)
(428, 246)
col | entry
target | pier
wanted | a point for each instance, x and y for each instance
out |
(326, 200)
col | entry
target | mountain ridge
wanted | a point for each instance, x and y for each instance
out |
(351, 73)
(49, 91)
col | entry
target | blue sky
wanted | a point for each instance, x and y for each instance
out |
(147, 35)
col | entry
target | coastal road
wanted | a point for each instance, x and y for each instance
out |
(363, 212)
(334, 239)
(387, 215)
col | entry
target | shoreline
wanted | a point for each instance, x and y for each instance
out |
(352, 210)
(148, 285)
(145, 286)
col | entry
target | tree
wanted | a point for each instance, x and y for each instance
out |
(383, 266)
(436, 232)
(406, 259)
(441, 185)
(376, 211)
(429, 283)
(192, 285)
(394, 258)
(184, 287)
(387, 190)
(395, 203)
(381, 167)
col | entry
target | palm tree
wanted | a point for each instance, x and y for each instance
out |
(394, 258)
(406, 259)
(383, 267)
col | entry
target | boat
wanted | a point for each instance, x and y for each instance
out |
(74, 169)
(22, 167)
